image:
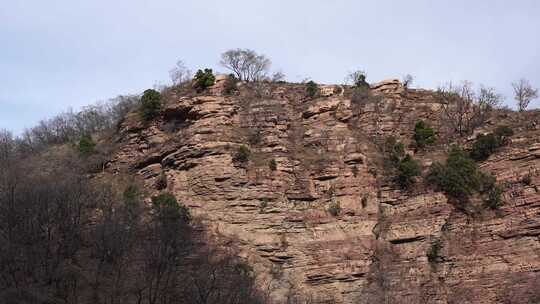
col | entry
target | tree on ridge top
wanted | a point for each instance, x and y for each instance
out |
(246, 64)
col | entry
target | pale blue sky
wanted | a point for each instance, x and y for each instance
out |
(58, 54)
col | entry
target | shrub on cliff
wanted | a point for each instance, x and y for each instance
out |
(485, 145)
(312, 89)
(434, 250)
(492, 197)
(272, 165)
(203, 80)
(255, 136)
(408, 168)
(393, 152)
(402, 167)
(526, 179)
(161, 182)
(242, 154)
(230, 85)
(334, 209)
(263, 204)
(358, 79)
(503, 133)
(460, 177)
(423, 135)
(150, 104)
(360, 90)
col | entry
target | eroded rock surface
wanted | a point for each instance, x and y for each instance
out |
(376, 249)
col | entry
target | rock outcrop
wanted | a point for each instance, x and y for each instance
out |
(376, 249)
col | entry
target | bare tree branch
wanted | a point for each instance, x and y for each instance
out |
(524, 93)
(180, 73)
(246, 64)
(465, 110)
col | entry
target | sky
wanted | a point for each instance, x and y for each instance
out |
(63, 54)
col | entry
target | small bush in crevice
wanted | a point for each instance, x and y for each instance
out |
(312, 89)
(354, 170)
(526, 179)
(272, 164)
(334, 209)
(263, 204)
(150, 104)
(255, 136)
(393, 152)
(242, 154)
(492, 197)
(423, 135)
(434, 251)
(203, 80)
(403, 167)
(161, 182)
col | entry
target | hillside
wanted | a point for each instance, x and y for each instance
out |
(297, 184)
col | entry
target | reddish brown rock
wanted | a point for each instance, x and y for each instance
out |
(376, 249)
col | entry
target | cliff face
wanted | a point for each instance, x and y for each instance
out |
(375, 250)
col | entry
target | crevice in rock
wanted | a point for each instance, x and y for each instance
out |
(407, 240)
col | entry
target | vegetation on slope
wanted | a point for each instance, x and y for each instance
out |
(460, 178)
(70, 238)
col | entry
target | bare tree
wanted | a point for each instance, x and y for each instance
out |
(246, 64)
(180, 73)
(486, 100)
(70, 126)
(7, 144)
(524, 93)
(465, 110)
(68, 239)
(407, 80)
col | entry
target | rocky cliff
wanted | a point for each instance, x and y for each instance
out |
(308, 155)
